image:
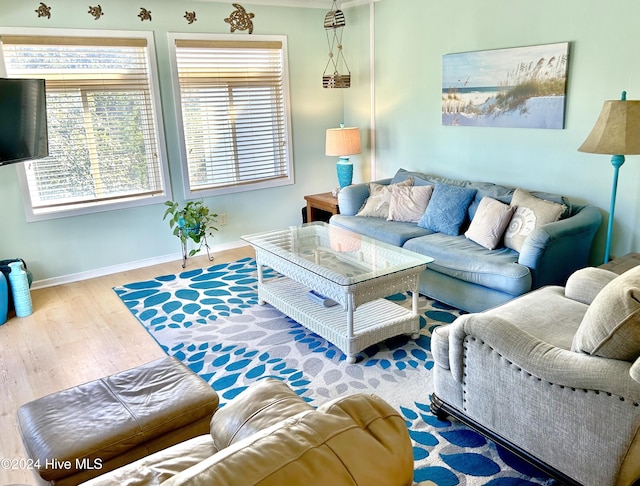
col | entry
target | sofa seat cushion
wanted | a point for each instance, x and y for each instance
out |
(458, 257)
(392, 232)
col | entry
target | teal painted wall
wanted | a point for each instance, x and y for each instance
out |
(67, 246)
(411, 36)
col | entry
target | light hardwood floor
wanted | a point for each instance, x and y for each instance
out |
(78, 332)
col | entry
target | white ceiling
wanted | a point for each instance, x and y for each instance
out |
(323, 4)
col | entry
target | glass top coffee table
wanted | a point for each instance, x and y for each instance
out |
(347, 269)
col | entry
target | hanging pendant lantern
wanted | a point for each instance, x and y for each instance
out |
(334, 23)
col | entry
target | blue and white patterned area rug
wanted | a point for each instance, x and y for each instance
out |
(210, 319)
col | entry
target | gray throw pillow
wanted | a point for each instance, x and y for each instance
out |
(489, 223)
(531, 213)
(447, 209)
(611, 326)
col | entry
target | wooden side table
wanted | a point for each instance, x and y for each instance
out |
(318, 205)
(622, 264)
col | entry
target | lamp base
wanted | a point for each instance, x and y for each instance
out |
(344, 168)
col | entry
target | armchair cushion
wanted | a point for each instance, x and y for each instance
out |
(611, 326)
(583, 285)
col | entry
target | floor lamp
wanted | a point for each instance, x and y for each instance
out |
(616, 133)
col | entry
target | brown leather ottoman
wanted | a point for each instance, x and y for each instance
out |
(85, 431)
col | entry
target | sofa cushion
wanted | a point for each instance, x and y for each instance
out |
(611, 326)
(490, 222)
(531, 213)
(392, 232)
(377, 204)
(408, 203)
(447, 209)
(458, 257)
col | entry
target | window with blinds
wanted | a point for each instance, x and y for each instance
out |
(104, 141)
(234, 113)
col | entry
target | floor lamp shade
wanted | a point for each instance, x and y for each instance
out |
(617, 133)
(342, 142)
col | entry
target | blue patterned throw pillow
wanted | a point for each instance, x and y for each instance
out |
(447, 209)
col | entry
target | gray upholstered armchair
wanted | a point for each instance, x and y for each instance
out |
(553, 375)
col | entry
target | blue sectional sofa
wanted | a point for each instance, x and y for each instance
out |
(466, 274)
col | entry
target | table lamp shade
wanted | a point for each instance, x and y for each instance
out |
(617, 130)
(342, 141)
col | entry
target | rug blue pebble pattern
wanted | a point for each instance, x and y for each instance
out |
(211, 320)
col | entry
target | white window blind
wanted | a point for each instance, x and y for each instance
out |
(102, 122)
(234, 111)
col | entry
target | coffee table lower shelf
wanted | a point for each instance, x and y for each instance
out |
(373, 321)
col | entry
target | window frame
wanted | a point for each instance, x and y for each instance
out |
(289, 179)
(132, 201)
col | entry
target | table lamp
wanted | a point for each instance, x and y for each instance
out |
(342, 142)
(617, 133)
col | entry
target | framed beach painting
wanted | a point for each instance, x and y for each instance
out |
(521, 87)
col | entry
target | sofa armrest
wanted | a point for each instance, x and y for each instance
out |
(351, 198)
(556, 250)
(546, 362)
(584, 284)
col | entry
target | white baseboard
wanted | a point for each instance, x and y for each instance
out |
(123, 267)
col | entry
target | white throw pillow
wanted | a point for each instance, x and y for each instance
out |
(408, 203)
(377, 204)
(490, 222)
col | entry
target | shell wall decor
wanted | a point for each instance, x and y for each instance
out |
(334, 23)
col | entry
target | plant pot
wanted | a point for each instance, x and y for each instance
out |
(188, 231)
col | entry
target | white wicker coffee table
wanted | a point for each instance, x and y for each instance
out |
(353, 270)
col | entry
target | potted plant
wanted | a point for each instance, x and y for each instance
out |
(192, 222)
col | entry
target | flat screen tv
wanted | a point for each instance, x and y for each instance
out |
(23, 120)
